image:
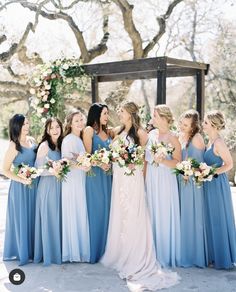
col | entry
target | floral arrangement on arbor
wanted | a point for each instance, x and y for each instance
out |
(50, 82)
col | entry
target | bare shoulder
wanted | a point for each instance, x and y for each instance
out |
(12, 147)
(88, 131)
(198, 141)
(220, 144)
(142, 132)
(174, 138)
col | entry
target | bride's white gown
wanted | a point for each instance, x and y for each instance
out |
(130, 248)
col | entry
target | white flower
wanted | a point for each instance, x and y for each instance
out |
(47, 105)
(45, 98)
(69, 80)
(65, 66)
(179, 166)
(49, 71)
(58, 62)
(52, 100)
(43, 120)
(32, 91)
(48, 86)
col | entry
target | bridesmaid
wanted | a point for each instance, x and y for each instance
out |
(98, 187)
(19, 235)
(221, 234)
(192, 220)
(48, 203)
(162, 190)
(75, 228)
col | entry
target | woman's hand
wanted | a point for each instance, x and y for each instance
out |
(105, 167)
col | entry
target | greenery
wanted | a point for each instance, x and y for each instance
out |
(50, 83)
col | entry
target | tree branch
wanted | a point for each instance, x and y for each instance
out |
(2, 38)
(86, 55)
(162, 27)
(16, 46)
(129, 26)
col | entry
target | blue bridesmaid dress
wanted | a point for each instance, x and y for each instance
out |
(48, 216)
(221, 232)
(163, 204)
(98, 191)
(19, 235)
(192, 220)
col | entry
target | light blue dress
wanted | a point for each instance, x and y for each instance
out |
(75, 227)
(221, 232)
(98, 191)
(48, 215)
(163, 204)
(192, 220)
(19, 235)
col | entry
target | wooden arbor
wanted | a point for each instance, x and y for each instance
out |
(160, 68)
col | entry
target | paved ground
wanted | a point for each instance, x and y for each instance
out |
(96, 278)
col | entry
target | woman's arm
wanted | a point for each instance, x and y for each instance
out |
(88, 139)
(176, 156)
(222, 150)
(9, 157)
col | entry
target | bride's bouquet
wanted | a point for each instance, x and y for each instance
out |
(160, 150)
(27, 172)
(59, 168)
(186, 168)
(127, 156)
(203, 172)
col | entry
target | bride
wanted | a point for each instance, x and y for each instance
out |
(130, 247)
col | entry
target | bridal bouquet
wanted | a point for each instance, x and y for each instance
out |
(127, 156)
(186, 168)
(59, 168)
(27, 172)
(160, 150)
(203, 172)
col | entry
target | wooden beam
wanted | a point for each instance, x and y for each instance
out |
(186, 63)
(200, 92)
(137, 65)
(94, 87)
(170, 72)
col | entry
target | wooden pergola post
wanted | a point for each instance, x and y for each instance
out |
(161, 81)
(200, 92)
(94, 87)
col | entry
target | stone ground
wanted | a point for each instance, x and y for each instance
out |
(96, 278)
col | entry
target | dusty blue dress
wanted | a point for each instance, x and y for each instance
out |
(48, 215)
(192, 220)
(98, 191)
(221, 232)
(19, 235)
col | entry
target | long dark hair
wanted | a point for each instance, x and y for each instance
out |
(47, 137)
(15, 125)
(133, 110)
(94, 115)
(195, 123)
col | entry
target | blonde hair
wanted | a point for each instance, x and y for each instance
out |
(216, 119)
(165, 112)
(69, 120)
